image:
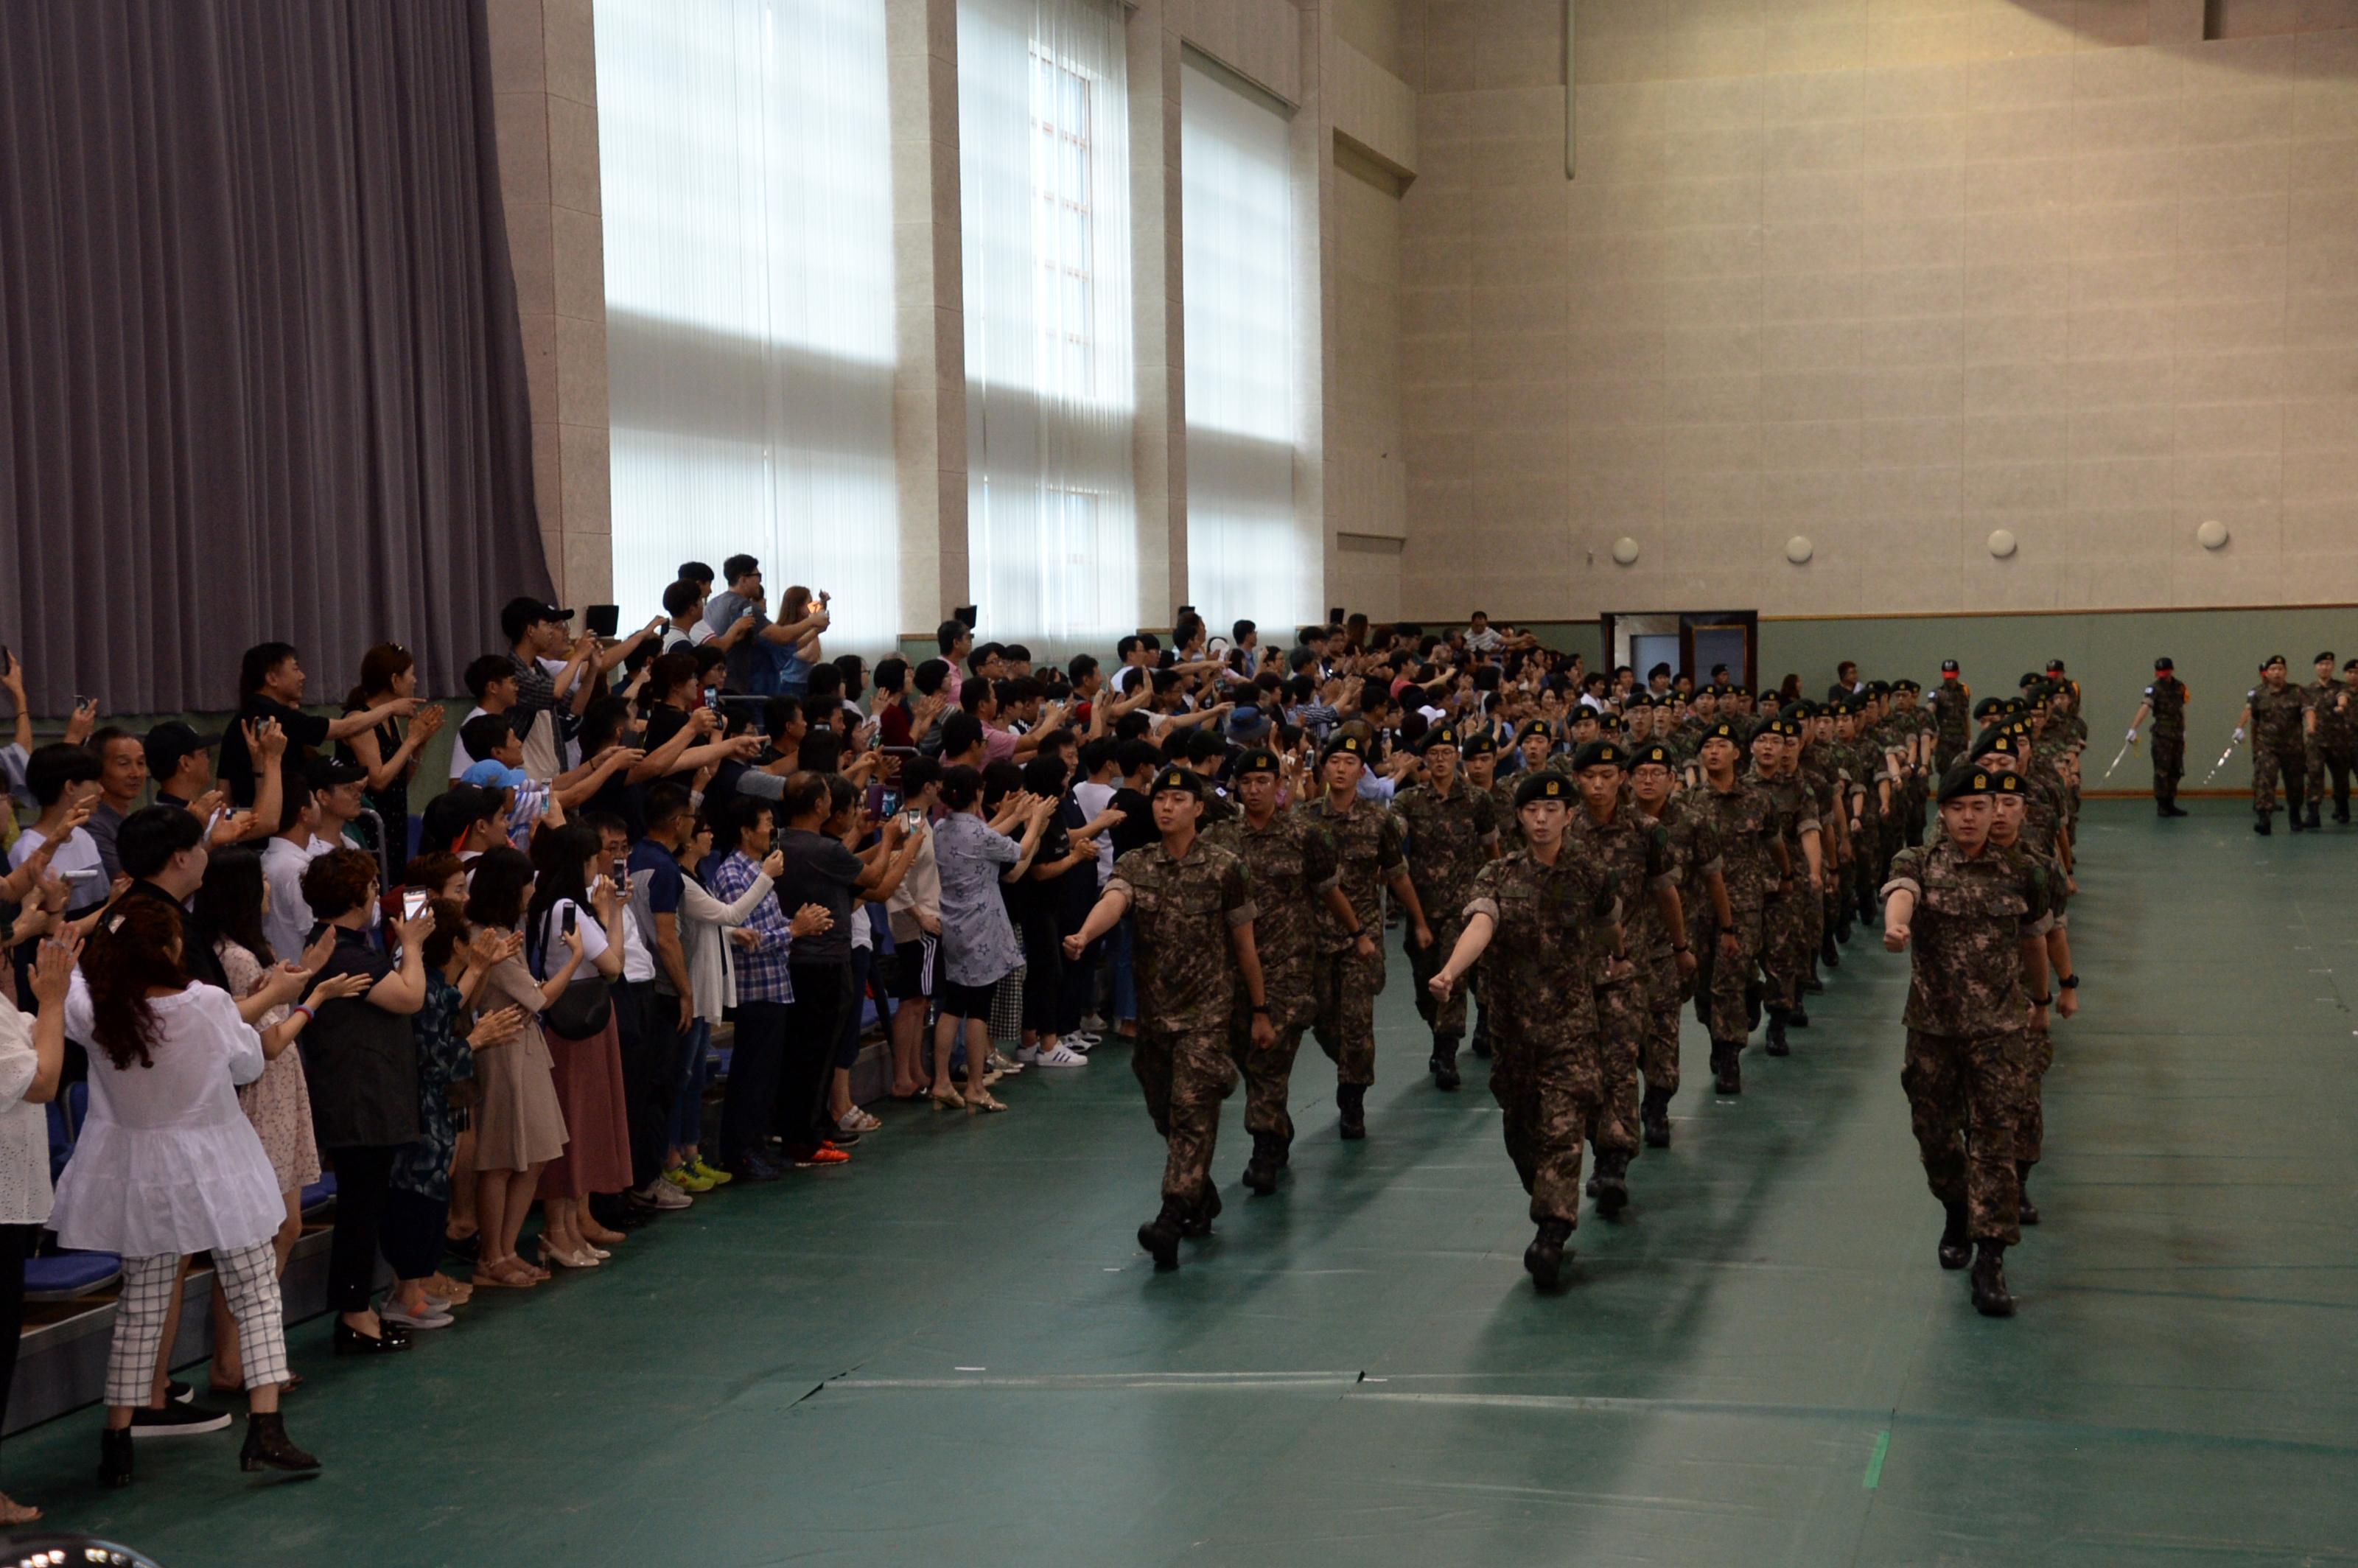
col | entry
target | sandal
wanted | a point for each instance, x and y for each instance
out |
(945, 1099)
(13, 1512)
(507, 1274)
(981, 1101)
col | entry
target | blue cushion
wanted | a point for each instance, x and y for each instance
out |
(70, 1273)
(320, 1192)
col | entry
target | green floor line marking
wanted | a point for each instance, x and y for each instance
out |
(1875, 1462)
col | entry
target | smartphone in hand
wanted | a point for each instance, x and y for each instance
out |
(413, 904)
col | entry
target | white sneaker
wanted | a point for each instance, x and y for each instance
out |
(1000, 1062)
(1093, 1024)
(1027, 1056)
(1059, 1056)
(416, 1320)
(1084, 1041)
(660, 1194)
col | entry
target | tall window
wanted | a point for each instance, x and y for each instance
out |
(1248, 551)
(1044, 168)
(745, 148)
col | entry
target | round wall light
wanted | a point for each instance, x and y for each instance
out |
(1625, 550)
(2001, 543)
(2212, 535)
(1798, 549)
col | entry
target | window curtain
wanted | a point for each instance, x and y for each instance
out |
(1249, 553)
(746, 161)
(1043, 170)
(260, 371)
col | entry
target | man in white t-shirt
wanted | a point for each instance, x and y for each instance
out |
(287, 921)
(492, 680)
(63, 782)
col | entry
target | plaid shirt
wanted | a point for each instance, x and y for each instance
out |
(761, 973)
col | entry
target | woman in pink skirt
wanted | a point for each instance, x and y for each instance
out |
(574, 894)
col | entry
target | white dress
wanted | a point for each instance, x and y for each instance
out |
(24, 1127)
(168, 1162)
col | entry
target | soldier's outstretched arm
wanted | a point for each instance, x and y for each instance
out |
(1898, 918)
(1471, 944)
(1111, 905)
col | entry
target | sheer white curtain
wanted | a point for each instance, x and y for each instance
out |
(745, 150)
(1044, 171)
(1249, 552)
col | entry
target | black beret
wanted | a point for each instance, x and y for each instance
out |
(1180, 779)
(1532, 727)
(1722, 730)
(1610, 723)
(2325, 659)
(2274, 659)
(1988, 706)
(1545, 784)
(1259, 759)
(1654, 755)
(1904, 685)
(1479, 744)
(1439, 735)
(1965, 779)
(2008, 783)
(1996, 740)
(1356, 745)
(1878, 689)
(1639, 699)
(2164, 665)
(1600, 755)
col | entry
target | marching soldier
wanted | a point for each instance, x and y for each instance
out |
(1348, 972)
(1785, 933)
(2009, 807)
(2165, 703)
(1972, 916)
(1952, 701)
(1451, 831)
(2272, 717)
(1293, 871)
(1753, 860)
(1192, 911)
(1550, 912)
(1674, 970)
(1480, 754)
(2337, 736)
(2318, 697)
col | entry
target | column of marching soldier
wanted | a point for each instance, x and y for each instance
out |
(1588, 899)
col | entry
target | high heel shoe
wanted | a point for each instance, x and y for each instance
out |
(550, 1253)
(114, 1456)
(981, 1100)
(945, 1099)
(267, 1447)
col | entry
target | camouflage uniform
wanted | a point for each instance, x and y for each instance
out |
(1744, 822)
(1785, 950)
(1543, 1068)
(1968, 1053)
(2030, 1131)
(1181, 911)
(1694, 845)
(1636, 850)
(1367, 850)
(1292, 862)
(2337, 746)
(2275, 748)
(2167, 726)
(1953, 707)
(1447, 841)
(2320, 699)
(1819, 780)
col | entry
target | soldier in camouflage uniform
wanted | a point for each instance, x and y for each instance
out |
(2337, 737)
(1550, 910)
(2010, 803)
(1536, 742)
(1975, 915)
(1952, 702)
(1675, 970)
(1785, 932)
(1451, 830)
(1753, 860)
(1479, 754)
(1911, 738)
(2318, 697)
(1636, 850)
(2273, 715)
(1815, 767)
(1191, 912)
(2165, 703)
(1347, 972)
(1293, 869)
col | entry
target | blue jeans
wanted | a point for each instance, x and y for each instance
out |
(690, 1071)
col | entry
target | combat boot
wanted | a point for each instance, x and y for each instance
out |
(1776, 1045)
(2293, 816)
(1797, 1017)
(1842, 924)
(1654, 1116)
(1443, 1063)
(2025, 1210)
(1261, 1171)
(1351, 1099)
(1828, 953)
(1547, 1254)
(1200, 1215)
(1482, 1039)
(2260, 826)
(2342, 811)
(1161, 1235)
(1752, 995)
(1991, 1298)
(1612, 1186)
(1956, 1247)
(1727, 1067)
(2313, 823)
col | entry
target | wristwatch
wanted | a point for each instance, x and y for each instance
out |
(1260, 1007)
(2042, 1002)
(1678, 947)
(2069, 982)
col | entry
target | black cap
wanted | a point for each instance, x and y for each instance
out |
(2054, 666)
(2165, 664)
(1600, 755)
(1988, 706)
(1996, 740)
(1948, 666)
(1439, 735)
(1965, 779)
(1532, 727)
(1655, 756)
(327, 773)
(1259, 759)
(1542, 786)
(2274, 659)
(1180, 779)
(1722, 730)
(2008, 783)
(1478, 744)
(170, 742)
(520, 614)
(1352, 745)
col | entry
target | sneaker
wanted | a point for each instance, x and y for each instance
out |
(1059, 1056)
(177, 1420)
(660, 1194)
(1093, 1025)
(178, 1393)
(1000, 1064)
(416, 1320)
(686, 1180)
(704, 1173)
(857, 1120)
(824, 1155)
(1085, 1039)
(1027, 1056)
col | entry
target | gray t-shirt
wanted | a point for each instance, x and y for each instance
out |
(721, 612)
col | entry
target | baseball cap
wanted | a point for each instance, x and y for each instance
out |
(170, 742)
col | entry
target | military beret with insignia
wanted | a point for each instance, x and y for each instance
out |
(1342, 745)
(1542, 786)
(1180, 779)
(1480, 743)
(1600, 755)
(1997, 739)
(1609, 723)
(1439, 735)
(2274, 660)
(1539, 727)
(1259, 759)
(1910, 686)
(2008, 783)
(1989, 707)
(1965, 779)
(1640, 700)
(1773, 727)
(1653, 756)
(1722, 730)
(1878, 689)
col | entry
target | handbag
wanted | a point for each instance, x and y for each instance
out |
(583, 1010)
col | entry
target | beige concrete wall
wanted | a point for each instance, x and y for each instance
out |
(1890, 274)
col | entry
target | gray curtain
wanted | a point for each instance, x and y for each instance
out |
(260, 373)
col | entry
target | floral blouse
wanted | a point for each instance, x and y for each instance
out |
(444, 1061)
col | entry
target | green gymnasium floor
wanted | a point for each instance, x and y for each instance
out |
(954, 1353)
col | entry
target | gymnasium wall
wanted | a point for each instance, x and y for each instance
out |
(1887, 276)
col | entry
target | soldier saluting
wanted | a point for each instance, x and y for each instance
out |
(1975, 915)
(1542, 914)
(1191, 909)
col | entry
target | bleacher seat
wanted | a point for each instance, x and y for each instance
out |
(318, 1194)
(62, 1276)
